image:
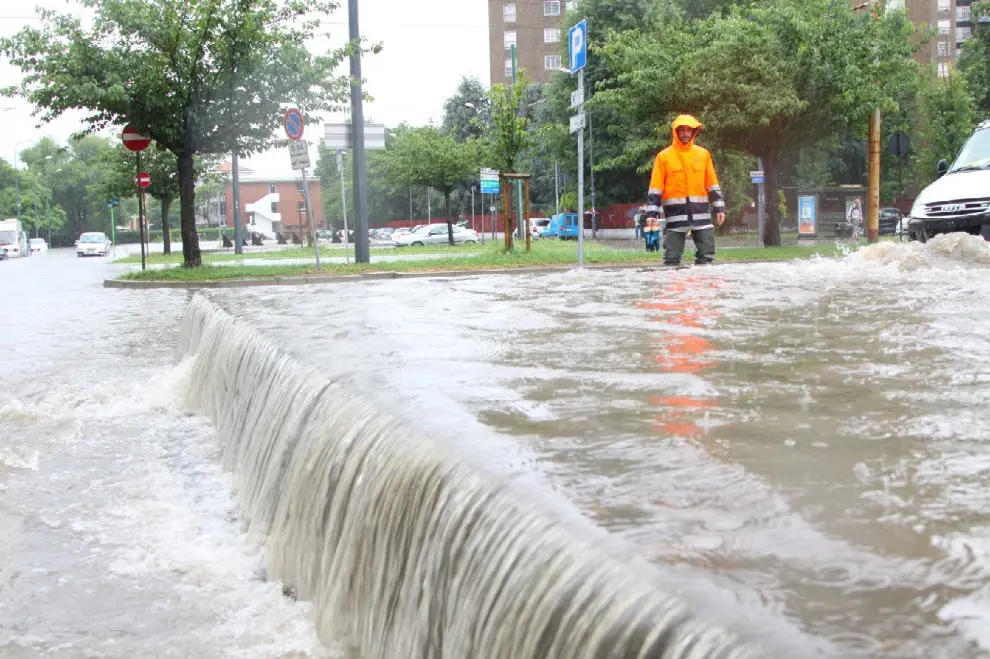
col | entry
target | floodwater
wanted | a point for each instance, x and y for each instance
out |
(801, 447)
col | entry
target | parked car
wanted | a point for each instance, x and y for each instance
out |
(538, 225)
(959, 199)
(434, 234)
(38, 245)
(890, 221)
(93, 243)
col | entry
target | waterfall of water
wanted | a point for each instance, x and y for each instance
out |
(406, 551)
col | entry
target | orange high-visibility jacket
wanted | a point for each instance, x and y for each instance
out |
(684, 183)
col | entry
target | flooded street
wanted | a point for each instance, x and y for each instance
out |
(118, 530)
(801, 448)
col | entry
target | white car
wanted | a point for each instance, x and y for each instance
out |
(435, 234)
(38, 245)
(93, 243)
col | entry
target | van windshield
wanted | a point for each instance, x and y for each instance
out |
(8, 236)
(975, 153)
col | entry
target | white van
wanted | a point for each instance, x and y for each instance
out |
(13, 238)
(959, 200)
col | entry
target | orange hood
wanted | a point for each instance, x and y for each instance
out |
(690, 122)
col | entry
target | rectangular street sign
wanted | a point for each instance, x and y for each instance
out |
(577, 122)
(577, 41)
(489, 181)
(577, 97)
(299, 154)
(758, 179)
(338, 136)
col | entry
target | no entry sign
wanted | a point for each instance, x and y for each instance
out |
(133, 140)
(142, 180)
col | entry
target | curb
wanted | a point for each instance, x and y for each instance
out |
(370, 276)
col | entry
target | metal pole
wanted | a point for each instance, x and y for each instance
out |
(362, 252)
(236, 191)
(473, 225)
(517, 183)
(556, 185)
(113, 229)
(48, 216)
(761, 208)
(35, 217)
(309, 218)
(482, 218)
(429, 207)
(873, 209)
(526, 214)
(591, 157)
(580, 184)
(140, 212)
(343, 202)
(410, 206)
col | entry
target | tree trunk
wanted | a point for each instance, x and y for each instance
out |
(450, 225)
(771, 227)
(191, 257)
(166, 233)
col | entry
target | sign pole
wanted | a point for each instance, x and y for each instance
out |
(580, 209)
(761, 209)
(309, 217)
(343, 205)
(140, 211)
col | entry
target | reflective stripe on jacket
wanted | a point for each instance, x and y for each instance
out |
(684, 183)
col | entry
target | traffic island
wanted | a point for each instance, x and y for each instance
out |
(546, 257)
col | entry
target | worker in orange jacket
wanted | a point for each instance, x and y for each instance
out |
(685, 189)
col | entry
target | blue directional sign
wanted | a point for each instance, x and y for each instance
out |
(577, 40)
(293, 124)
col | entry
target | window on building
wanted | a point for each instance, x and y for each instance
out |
(944, 26)
(551, 35)
(271, 188)
(509, 39)
(274, 206)
(571, 5)
(508, 68)
(299, 186)
(551, 62)
(895, 4)
(963, 14)
(943, 69)
(963, 33)
(551, 8)
(301, 206)
(943, 5)
(958, 52)
(942, 49)
(509, 13)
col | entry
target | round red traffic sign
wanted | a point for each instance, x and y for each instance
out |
(133, 140)
(142, 180)
(294, 124)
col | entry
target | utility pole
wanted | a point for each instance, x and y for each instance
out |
(362, 252)
(556, 185)
(343, 203)
(517, 183)
(873, 175)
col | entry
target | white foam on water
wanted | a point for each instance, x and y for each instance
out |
(406, 549)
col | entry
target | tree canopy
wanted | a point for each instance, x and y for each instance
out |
(196, 77)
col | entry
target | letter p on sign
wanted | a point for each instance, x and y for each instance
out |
(578, 41)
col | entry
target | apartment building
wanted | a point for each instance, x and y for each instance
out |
(273, 203)
(950, 20)
(534, 27)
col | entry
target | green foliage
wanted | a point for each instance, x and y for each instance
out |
(461, 121)
(768, 79)
(509, 135)
(974, 61)
(425, 157)
(197, 77)
(945, 120)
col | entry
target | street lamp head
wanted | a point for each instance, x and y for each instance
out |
(469, 104)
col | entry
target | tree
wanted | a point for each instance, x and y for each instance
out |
(945, 121)
(509, 135)
(428, 158)
(767, 79)
(461, 120)
(197, 77)
(974, 61)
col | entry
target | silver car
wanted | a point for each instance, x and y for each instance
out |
(93, 243)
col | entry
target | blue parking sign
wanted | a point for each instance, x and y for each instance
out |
(577, 43)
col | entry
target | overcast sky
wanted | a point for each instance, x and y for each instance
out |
(428, 46)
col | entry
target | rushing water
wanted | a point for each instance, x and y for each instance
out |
(800, 449)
